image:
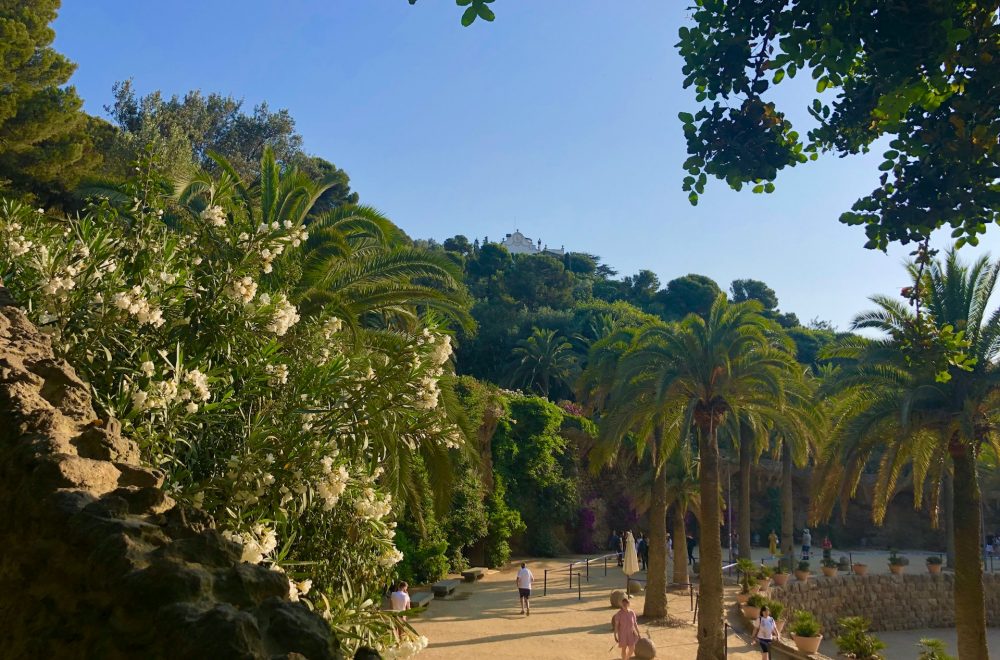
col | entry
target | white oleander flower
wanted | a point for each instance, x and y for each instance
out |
(148, 368)
(285, 316)
(214, 216)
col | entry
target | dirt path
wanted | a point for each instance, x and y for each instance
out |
(482, 620)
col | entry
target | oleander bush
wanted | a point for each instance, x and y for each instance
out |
(278, 380)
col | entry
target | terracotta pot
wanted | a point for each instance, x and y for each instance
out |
(802, 576)
(780, 579)
(830, 571)
(779, 625)
(933, 569)
(743, 598)
(897, 570)
(751, 612)
(807, 644)
(762, 587)
(861, 569)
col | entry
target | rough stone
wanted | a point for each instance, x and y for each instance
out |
(98, 562)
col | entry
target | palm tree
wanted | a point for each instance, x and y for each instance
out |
(632, 426)
(543, 360)
(682, 496)
(898, 407)
(709, 368)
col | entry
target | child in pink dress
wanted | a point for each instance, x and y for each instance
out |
(626, 629)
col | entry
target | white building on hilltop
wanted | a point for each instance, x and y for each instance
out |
(518, 243)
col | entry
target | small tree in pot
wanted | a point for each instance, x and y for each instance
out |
(934, 564)
(777, 609)
(802, 572)
(746, 570)
(897, 564)
(780, 576)
(829, 567)
(752, 609)
(805, 631)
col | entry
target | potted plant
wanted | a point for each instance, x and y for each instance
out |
(763, 576)
(844, 564)
(860, 569)
(747, 580)
(829, 568)
(805, 632)
(802, 572)
(780, 576)
(854, 640)
(752, 609)
(897, 564)
(933, 649)
(777, 610)
(934, 564)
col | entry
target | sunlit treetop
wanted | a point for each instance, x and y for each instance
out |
(923, 73)
(473, 9)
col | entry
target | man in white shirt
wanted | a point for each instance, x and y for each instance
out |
(524, 580)
(399, 599)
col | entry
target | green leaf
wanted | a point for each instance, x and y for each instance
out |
(686, 117)
(886, 166)
(822, 84)
(759, 188)
(463, 3)
(486, 13)
(779, 75)
(892, 154)
(469, 16)
(693, 198)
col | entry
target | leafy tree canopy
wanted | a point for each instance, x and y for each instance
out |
(923, 73)
(691, 294)
(744, 290)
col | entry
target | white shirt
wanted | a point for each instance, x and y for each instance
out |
(524, 579)
(807, 539)
(400, 600)
(765, 628)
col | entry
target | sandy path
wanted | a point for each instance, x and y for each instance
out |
(482, 620)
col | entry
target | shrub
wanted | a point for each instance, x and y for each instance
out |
(777, 608)
(804, 624)
(803, 565)
(855, 641)
(757, 600)
(764, 573)
(935, 559)
(897, 560)
(830, 563)
(933, 649)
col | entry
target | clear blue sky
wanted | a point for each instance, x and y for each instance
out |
(560, 118)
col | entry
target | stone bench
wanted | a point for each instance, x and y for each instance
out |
(421, 598)
(473, 574)
(444, 587)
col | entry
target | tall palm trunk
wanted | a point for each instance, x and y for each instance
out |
(655, 605)
(711, 638)
(970, 608)
(949, 520)
(680, 547)
(787, 512)
(746, 440)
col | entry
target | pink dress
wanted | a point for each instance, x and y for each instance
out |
(625, 627)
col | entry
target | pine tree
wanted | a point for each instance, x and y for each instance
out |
(43, 136)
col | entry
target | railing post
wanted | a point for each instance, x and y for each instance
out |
(545, 587)
(605, 566)
(579, 589)
(571, 576)
(588, 569)
(727, 638)
(691, 594)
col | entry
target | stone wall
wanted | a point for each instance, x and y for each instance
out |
(96, 561)
(890, 602)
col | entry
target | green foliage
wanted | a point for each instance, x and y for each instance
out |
(691, 294)
(538, 469)
(855, 641)
(933, 649)
(803, 565)
(542, 360)
(45, 144)
(757, 600)
(935, 559)
(474, 9)
(503, 523)
(804, 624)
(748, 289)
(776, 608)
(926, 79)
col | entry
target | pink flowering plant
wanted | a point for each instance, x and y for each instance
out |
(284, 384)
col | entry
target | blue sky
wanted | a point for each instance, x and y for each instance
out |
(560, 119)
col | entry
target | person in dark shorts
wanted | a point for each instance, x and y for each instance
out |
(524, 580)
(765, 632)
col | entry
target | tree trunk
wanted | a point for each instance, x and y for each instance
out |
(655, 604)
(680, 547)
(949, 520)
(746, 450)
(970, 608)
(711, 638)
(787, 512)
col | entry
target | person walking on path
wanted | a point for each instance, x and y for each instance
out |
(626, 629)
(772, 544)
(690, 544)
(642, 547)
(827, 548)
(620, 547)
(765, 632)
(806, 543)
(524, 580)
